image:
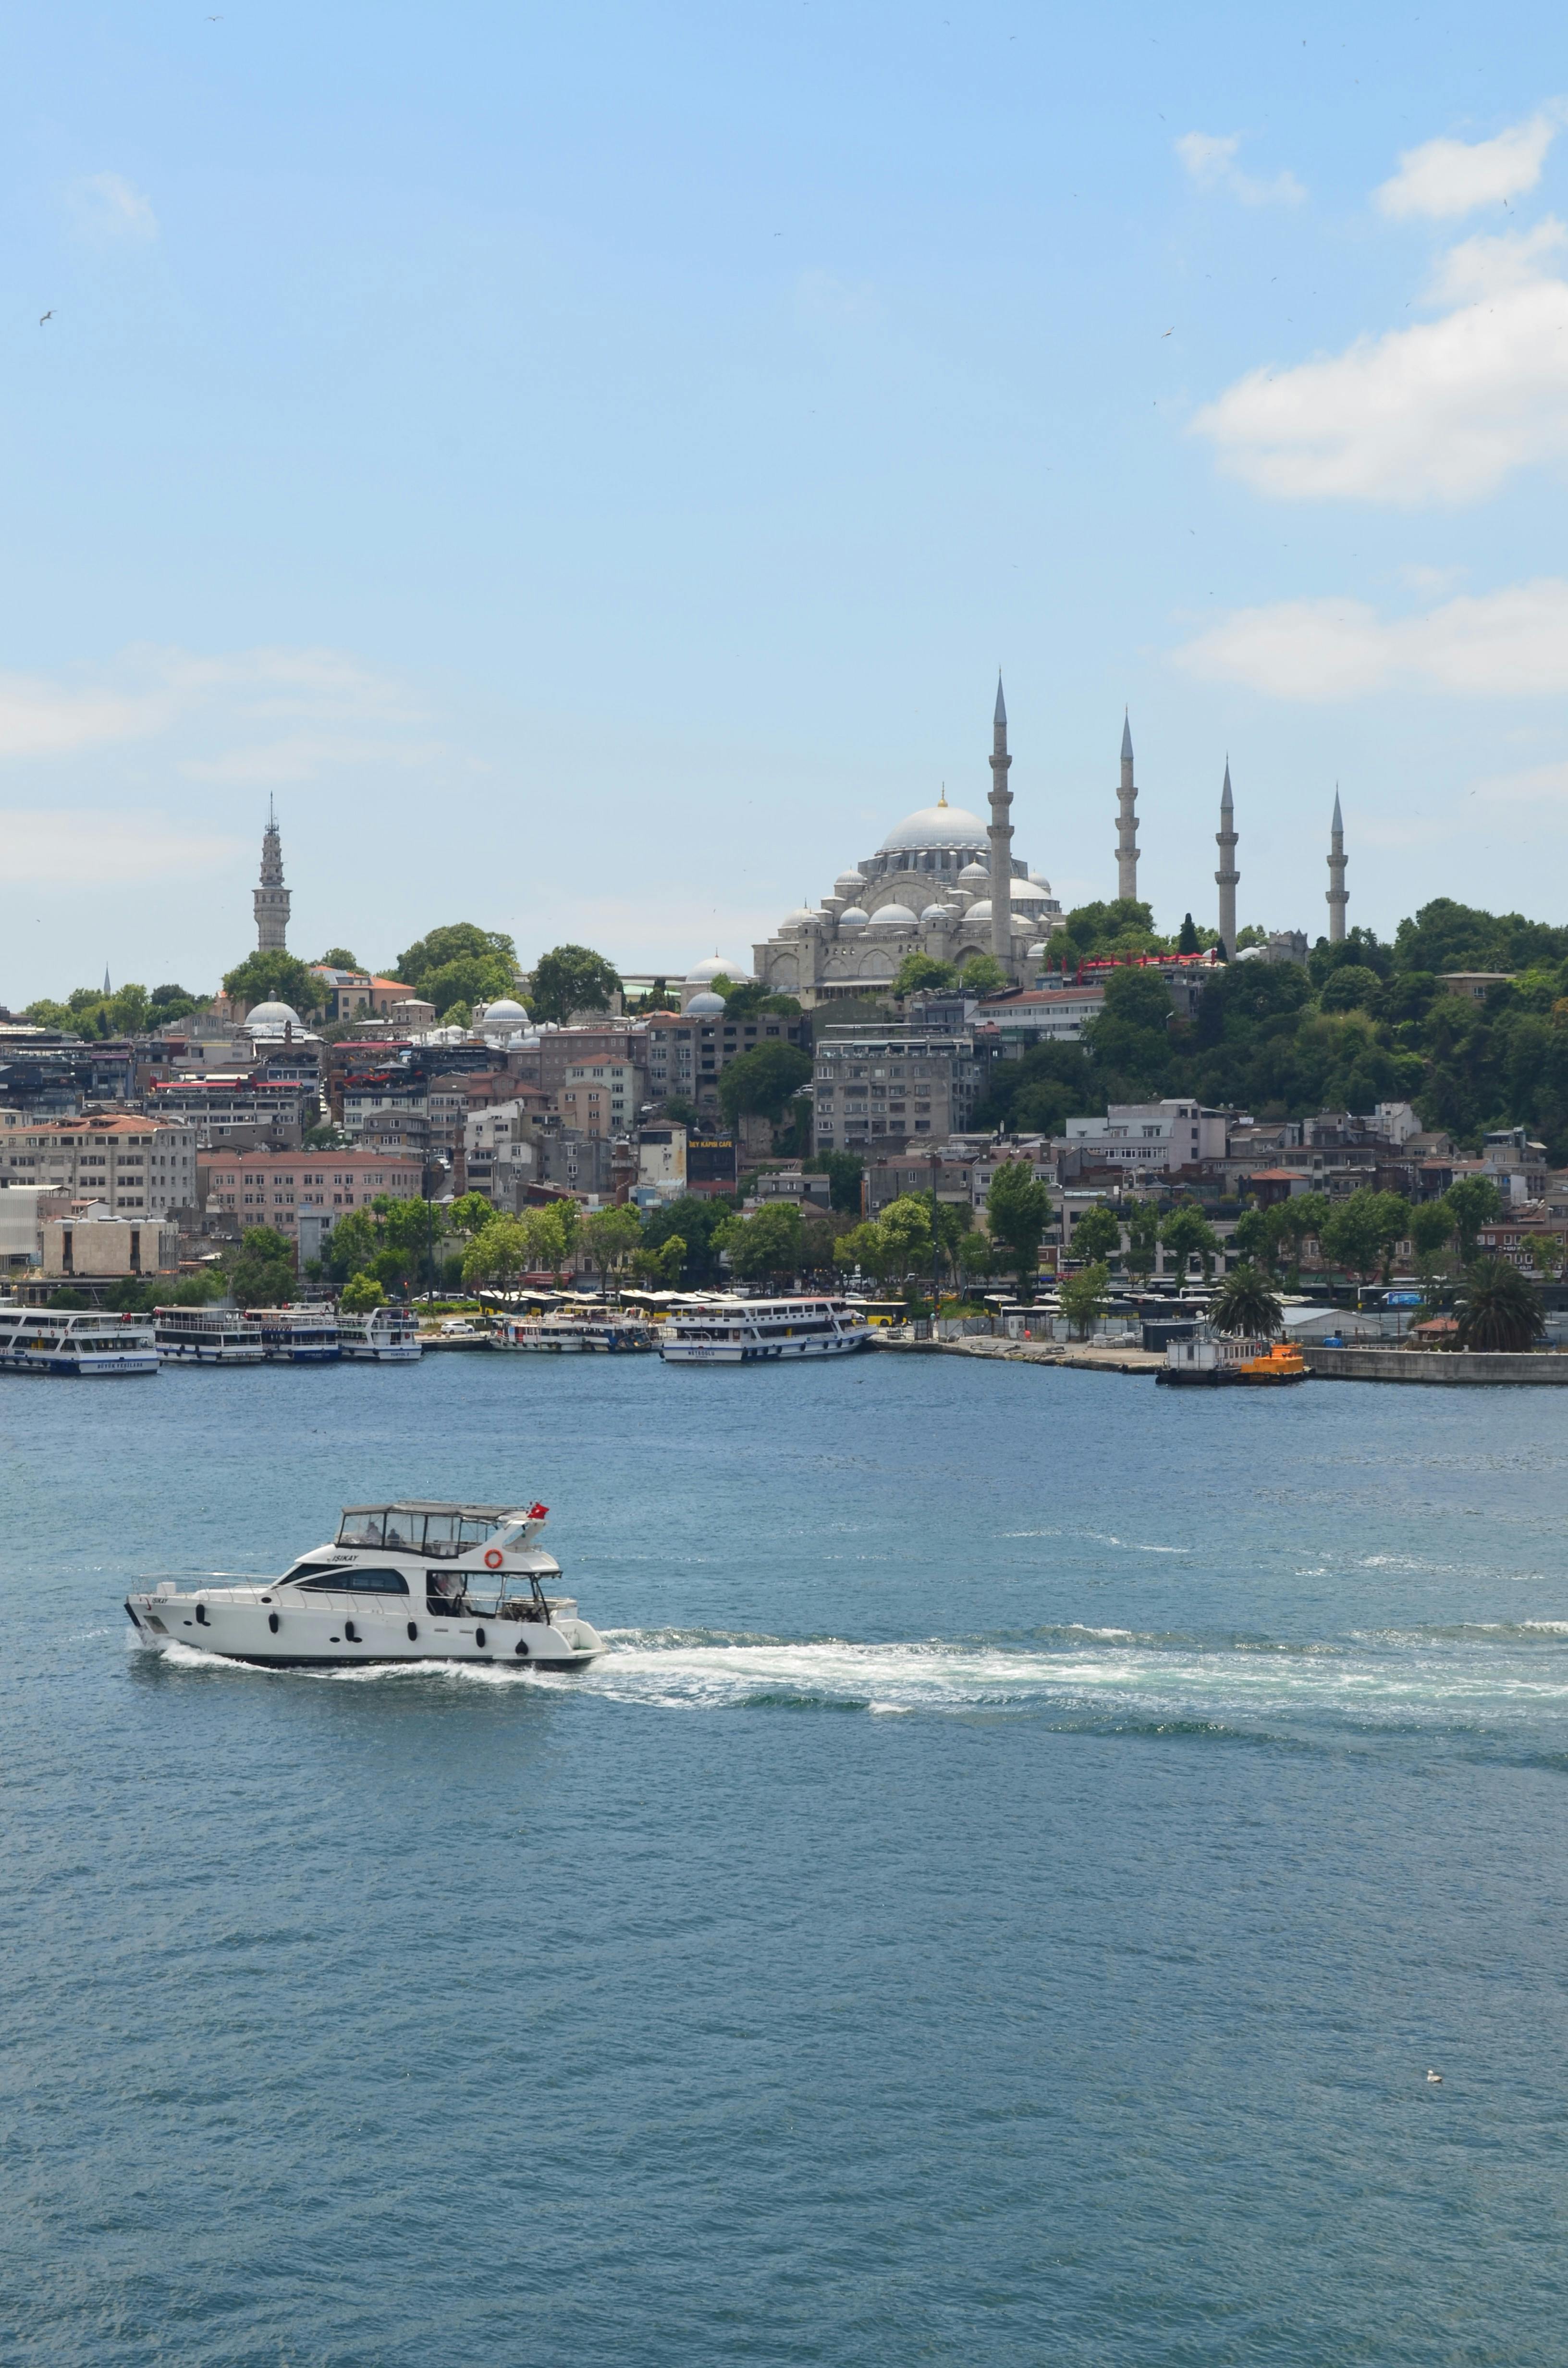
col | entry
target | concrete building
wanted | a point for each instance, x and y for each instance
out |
(1475, 985)
(1337, 895)
(272, 1188)
(92, 1243)
(598, 1097)
(1040, 1015)
(1227, 877)
(1127, 821)
(216, 1107)
(687, 1052)
(356, 993)
(140, 1167)
(661, 1158)
(891, 1084)
(271, 897)
(23, 1209)
(1149, 1138)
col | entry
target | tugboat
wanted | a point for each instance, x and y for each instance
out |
(408, 1582)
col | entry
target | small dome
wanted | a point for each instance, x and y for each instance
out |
(803, 918)
(504, 1013)
(975, 871)
(934, 913)
(706, 1005)
(894, 916)
(848, 883)
(852, 917)
(271, 1015)
(979, 911)
(1038, 953)
(1040, 881)
(700, 972)
(940, 825)
(1027, 892)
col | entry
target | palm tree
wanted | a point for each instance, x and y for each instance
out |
(1497, 1309)
(1244, 1303)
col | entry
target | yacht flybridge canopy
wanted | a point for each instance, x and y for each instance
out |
(444, 1532)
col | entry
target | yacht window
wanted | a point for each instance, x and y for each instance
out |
(357, 1582)
(473, 1533)
(360, 1529)
(441, 1535)
(403, 1530)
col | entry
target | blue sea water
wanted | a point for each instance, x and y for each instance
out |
(999, 1900)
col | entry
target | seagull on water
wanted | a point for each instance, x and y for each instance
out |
(1434, 2080)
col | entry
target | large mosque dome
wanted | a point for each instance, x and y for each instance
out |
(700, 972)
(894, 916)
(940, 825)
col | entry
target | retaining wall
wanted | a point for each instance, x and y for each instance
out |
(1434, 1366)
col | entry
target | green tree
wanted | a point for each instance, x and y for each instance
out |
(1186, 1234)
(457, 986)
(1431, 1231)
(1471, 1201)
(407, 1230)
(608, 1237)
(362, 1294)
(766, 1245)
(921, 973)
(569, 979)
(695, 1219)
(1123, 926)
(275, 977)
(1187, 942)
(1497, 1309)
(971, 1254)
(469, 1215)
(1352, 988)
(1142, 1238)
(765, 1082)
(499, 1256)
(339, 958)
(1352, 1237)
(844, 1170)
(872, 1250)
(659, 998)
(1244, 1303)
(1082, 1297)
(1256, 1237)
(1018, 1209)
(260, 1269)
(457, 941)
(169, 1003)
(1097, 1236)
(983, 974)
(351, 1246)
(660, 1268)
(907, 1227)
(552, 1233)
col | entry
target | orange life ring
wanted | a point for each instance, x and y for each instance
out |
(493, 1558)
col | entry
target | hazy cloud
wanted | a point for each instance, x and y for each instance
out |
(1513, 643)
(1444, 178)
(1210, 159)
(105, 206)
(89, 847)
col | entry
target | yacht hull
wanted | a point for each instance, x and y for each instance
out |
(365, 1637)
(762, 1353)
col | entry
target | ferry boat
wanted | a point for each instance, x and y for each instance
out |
(576, 1335)
(405, 1582)
(756, 1331)
(206, 1336)
(382, 1336)
(75, 1340)
(296, 1336)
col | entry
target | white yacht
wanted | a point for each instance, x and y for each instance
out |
(383, 1336)
(575, 1334)
(206, 1336)
(753, 1331)
(75, 1340)
(296, 1336)
(409, 1582)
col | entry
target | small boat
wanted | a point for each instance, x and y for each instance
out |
(1283, 1362)
(296, 1336)
(382, 1336)
(576, 1335)
(206, 1336)
(1216, 1361)
(733, 1331)
(406, 1582)
(86, 1341)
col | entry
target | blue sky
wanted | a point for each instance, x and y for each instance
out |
(588, 465)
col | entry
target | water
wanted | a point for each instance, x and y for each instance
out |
(999, 1900)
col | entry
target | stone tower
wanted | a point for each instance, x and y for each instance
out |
(1000, 833)
(1225, 879)
(1339, 895)
(271, 897)
(1127, 821)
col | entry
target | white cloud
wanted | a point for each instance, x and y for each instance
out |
(88, 847)
(305, 757)
(1443, 411)
(1507, 643)
(1538, 785)
(1210, 160)
(44, 719)
(106, 207)
(1445, 178)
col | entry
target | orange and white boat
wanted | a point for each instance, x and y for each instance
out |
(1283, 1362)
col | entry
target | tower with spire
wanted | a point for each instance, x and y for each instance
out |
(271, 897)
(1127, 821)
(999, 833)
(1339, 895)
(1226, 878)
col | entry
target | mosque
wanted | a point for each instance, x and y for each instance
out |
(926, 890)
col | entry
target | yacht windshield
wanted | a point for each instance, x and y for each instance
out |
(442, 1534)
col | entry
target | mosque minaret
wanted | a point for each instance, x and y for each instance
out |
(1338, 895)
(1227, 876)
(1127, 821)
(1000, 832)
(272, 898)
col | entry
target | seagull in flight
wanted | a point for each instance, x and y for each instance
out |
(46, 316)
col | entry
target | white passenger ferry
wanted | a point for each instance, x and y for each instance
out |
(296, 1336)
(206, 1336)
(753, 1331)
(383, 1336)
(576, 1335)
(409, 1582)
(75, 1340)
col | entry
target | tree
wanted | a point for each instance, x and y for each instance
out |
(469, 1215)
(765, 1082)
(170, 1003)
(983, 974)
(407, 1231)
(1187, 941)
(457, 941)
(658, 998)
(906, 1229)
(971, 1254)
(1186, 1234)
(1244, 1303)
(260, 1271)
(766, 1245)
(1142, 1238)
(844, 1170)
(921, 973)
(1497, 1309)
(455, 986)
(1082, 1297)
(351, 1246)
(694, 1220)
(608, 1237)
(498, 1255)
(1352, 1235)
(1352, 988)
(1018, 1209)
(744, 998)
(1431, 1231)
(551, 1234)
(1256, 1237)
(569, 979)
(1097, 1236)
(361, 1293)
(872, 1250)
(1471, 1201)
(339, 958)
(275, 977)
(660, 1267)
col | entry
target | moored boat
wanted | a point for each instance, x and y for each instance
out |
(381, 1335)
(734, 1331)
(1214, 1359)
(576, 1335)
(296, 1336)
(206, 1336)
(1282, 1362)
(84, 1341)
(406, 1582)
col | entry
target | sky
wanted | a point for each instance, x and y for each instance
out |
(587, 466)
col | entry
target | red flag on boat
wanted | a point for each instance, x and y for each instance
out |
(538, 1512)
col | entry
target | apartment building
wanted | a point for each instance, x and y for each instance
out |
(272, 1188)
(128, 1163)
(216, 1107)
(896, 1084)
(598, 1097)
(687, 1052)
(1150, 1138)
